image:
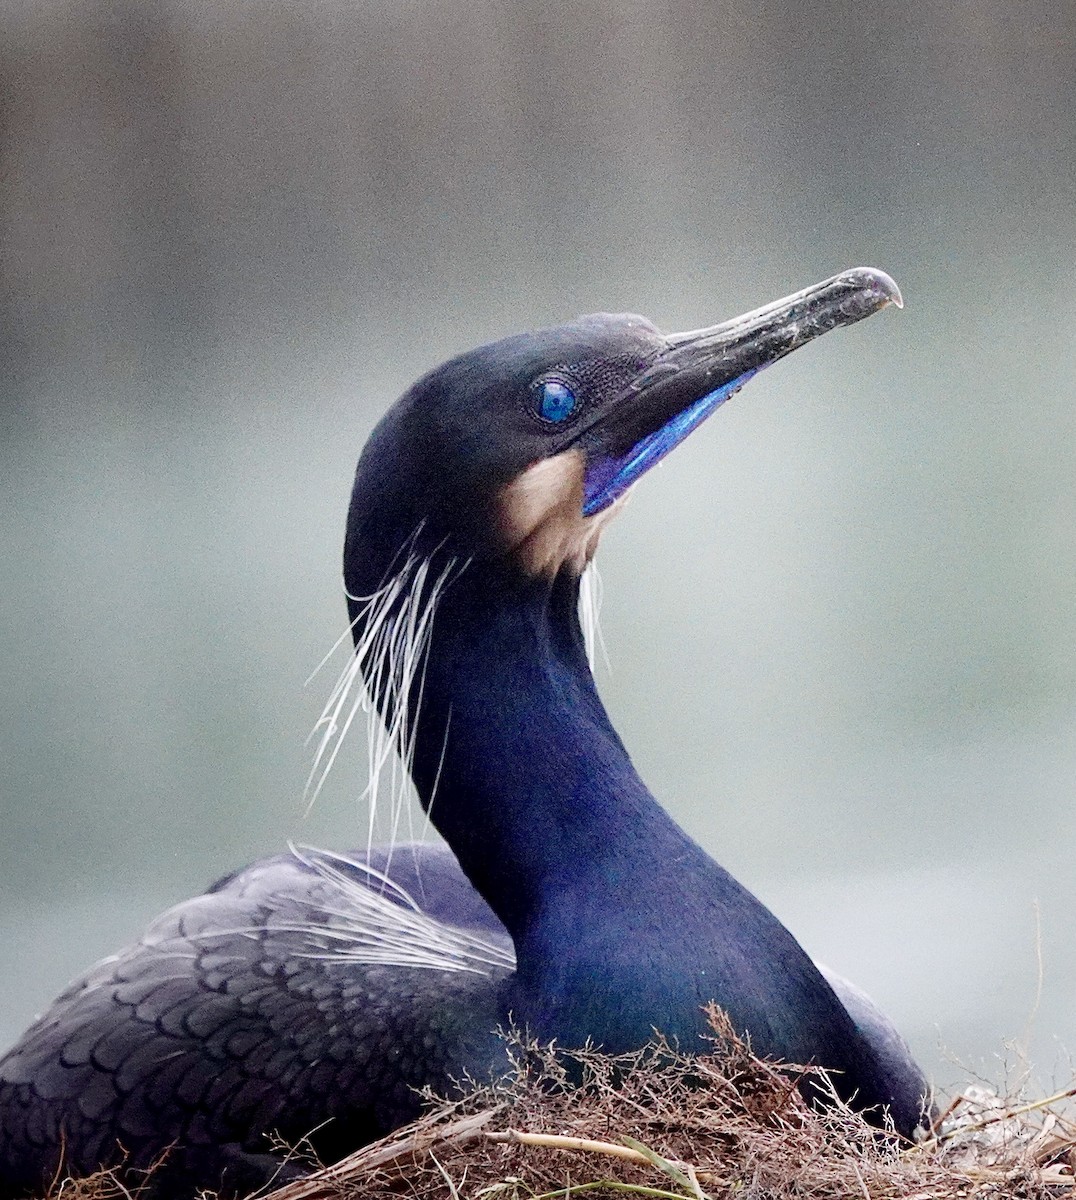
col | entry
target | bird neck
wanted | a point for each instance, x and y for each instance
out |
(620, 922)
(514, 756)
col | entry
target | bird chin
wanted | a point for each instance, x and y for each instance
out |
(541, 517)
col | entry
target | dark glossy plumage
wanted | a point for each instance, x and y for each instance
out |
(223, 1023)
(302, 1000)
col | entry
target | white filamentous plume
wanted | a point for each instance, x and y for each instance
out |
(590, 609)
(369, 920)
(385, 926)
(388, 660)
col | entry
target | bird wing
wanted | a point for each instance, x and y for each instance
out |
(285, 1003)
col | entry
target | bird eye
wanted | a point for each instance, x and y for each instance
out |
(556, 400)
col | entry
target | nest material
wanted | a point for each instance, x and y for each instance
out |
(660, 1124)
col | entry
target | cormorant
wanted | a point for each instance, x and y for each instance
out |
(309, 995)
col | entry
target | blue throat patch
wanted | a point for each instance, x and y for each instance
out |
(609, 478)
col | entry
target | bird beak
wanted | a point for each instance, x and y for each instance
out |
(695, 372)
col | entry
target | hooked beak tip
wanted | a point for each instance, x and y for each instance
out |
(883, 285)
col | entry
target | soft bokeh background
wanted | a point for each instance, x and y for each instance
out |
(840, 620)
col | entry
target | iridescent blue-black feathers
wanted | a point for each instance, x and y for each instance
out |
(301, 1002)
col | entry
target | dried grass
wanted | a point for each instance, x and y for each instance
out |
(660, 1124)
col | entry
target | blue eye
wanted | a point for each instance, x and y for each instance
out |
(556, 400)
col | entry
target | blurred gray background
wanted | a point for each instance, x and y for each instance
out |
(840, 620)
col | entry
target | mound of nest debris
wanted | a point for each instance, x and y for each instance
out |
(663, 1125)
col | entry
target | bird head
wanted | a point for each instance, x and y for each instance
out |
(520, 451)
